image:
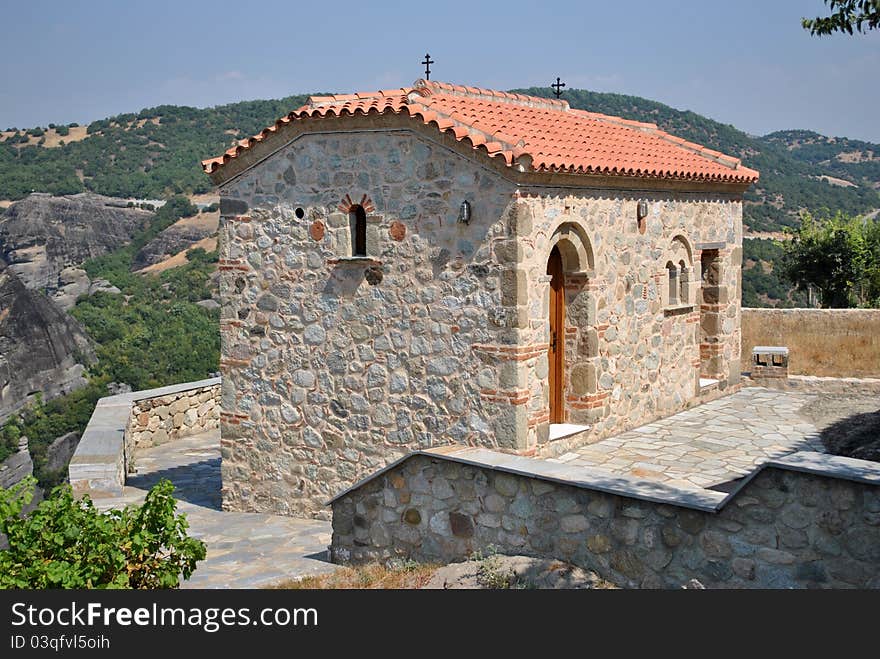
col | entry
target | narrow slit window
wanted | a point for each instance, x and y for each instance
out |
(357, 217)
(673, 283)
(684, 277)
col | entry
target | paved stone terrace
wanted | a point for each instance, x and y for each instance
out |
(708, 445)
(704, 447)
(245, 550)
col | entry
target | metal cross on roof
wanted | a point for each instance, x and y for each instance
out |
(427, 62)
(557, 87)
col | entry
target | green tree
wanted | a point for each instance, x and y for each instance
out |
(846, 16)
(831, 255)
(68, 543)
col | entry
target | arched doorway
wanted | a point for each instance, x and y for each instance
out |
(556, 351)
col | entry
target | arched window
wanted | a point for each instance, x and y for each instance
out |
(672, 269)
(357, 219)
(683, 281)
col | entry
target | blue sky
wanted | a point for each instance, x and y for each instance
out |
(747, 62)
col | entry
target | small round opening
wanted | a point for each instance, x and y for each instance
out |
(300, 213)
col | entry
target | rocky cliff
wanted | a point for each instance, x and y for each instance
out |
(44, 238)
(184, 234)
(17, 466)
(40, 345)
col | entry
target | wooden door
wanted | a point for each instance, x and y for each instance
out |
(556, 352)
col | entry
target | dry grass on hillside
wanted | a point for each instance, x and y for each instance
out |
(52, 138)
(208, 244)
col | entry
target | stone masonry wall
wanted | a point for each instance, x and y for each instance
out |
(335, 366)
(154, 421)
(785, 529)
(631, 355)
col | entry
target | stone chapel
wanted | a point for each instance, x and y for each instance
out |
(440, 264)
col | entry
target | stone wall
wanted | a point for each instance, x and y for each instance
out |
(155, 421)
(821, 342)
(782, 529)
(120, 423)
(334, 366)
(631, 354)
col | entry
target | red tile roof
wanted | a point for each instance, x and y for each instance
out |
(527, 132)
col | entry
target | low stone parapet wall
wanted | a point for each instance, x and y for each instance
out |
(121, 423)
(160, 419)
(805, 521)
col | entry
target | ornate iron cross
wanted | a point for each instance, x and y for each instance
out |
(427, 62)
(557, 87)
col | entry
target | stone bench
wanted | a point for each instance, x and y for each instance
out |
(769, 362)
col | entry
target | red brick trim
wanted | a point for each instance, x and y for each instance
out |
(232, 264)
(235, 362)
(514, 397)
(233, 419)
(347, 205)
(588, 402)
(536, 418)
(512, 353)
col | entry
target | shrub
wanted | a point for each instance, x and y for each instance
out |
(68, 543)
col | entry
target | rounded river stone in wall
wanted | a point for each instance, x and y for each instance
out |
(316, 231)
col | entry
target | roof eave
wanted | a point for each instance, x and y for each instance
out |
(513, 164)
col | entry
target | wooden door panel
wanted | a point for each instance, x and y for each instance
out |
(556, 351)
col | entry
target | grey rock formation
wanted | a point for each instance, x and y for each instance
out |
(171, 241)
(103, 286)
(17, 466)
(42, 235)
(40, 345)
(72, 283)
(208, 304)
(59, 452)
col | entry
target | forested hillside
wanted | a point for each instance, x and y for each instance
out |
(156, 153)
(148, 155)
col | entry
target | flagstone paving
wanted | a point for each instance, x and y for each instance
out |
(245, 550)
(704, 447)
(708, 445)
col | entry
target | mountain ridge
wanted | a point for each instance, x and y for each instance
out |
(157, 152)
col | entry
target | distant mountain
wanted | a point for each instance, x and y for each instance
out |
(853, 161)
(156, 152)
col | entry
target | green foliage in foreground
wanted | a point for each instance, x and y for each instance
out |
(839, 256)
(68, 543)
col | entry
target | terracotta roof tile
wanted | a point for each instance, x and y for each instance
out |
(535, 134)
